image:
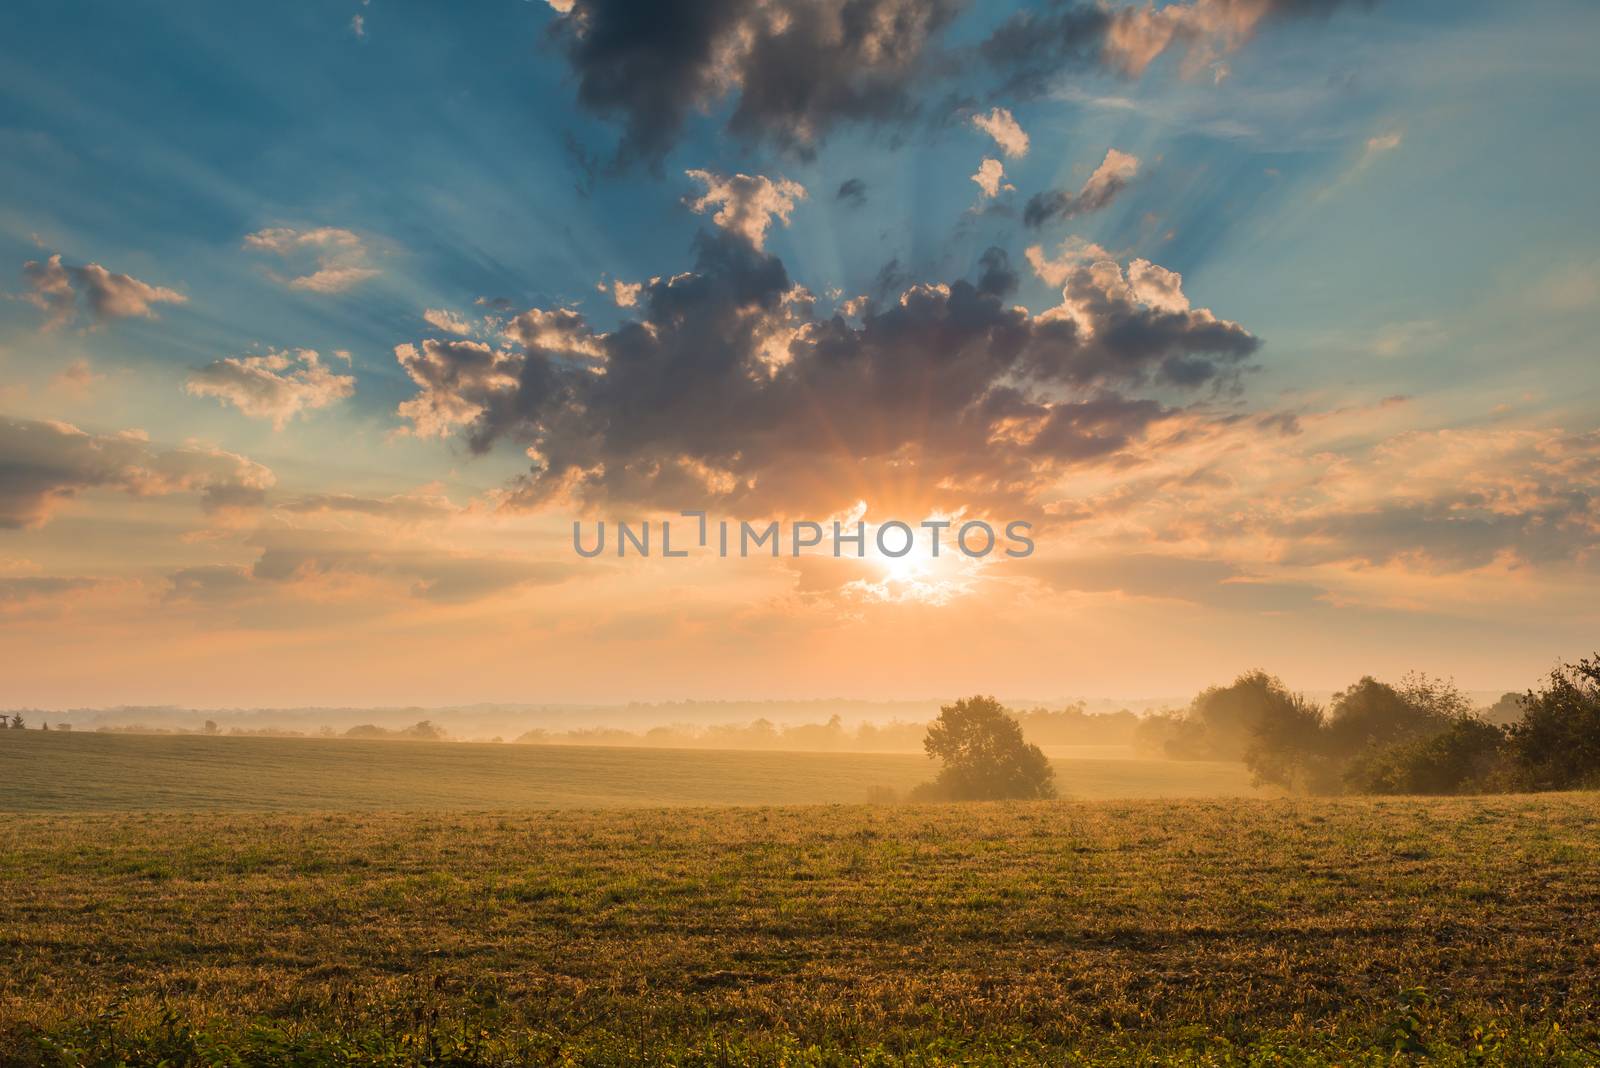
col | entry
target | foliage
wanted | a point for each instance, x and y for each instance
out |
(1287, 744)
(1464, 756)
(985, 756)
(1557, 742)
(1372, 714)
(1221, 722)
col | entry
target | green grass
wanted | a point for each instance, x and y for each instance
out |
(59, 771)
(1458, 931)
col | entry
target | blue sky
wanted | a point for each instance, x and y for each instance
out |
(1395, 199)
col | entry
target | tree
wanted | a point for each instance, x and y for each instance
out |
(985, 756)
(210, 727)
(16, 722)
(1463, 757)
(1222, 722)
(1374, 715)
(1557, 743)
(1289, 745)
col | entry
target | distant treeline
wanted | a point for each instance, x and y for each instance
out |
(1072, 725)
(1420, 735)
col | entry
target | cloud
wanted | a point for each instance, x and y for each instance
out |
(1033, 47)
(1214, 583)
(323, 564)
(1074, 251)
(404, 506)
(447, 320)
(1108, 180)
(50, 290)
(277, 386)
(48, 463)
(787, 72)
(746, 204)
(989, 177)
(77, 378)
(337, 258)
(53, 289)
(728, 389)
(32, 589)
(999, 125)
(625, 294)
(1382, 143)
(793, 68)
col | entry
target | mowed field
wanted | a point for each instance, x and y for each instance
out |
(1219, 931)
(58, 771)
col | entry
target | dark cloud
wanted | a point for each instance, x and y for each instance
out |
(794, 67)
(1102, 187)
(730, 389)
(852, 191)
(43, 464)
(33, 588)
(293, 558)
(1036, 45)
(1452, 532)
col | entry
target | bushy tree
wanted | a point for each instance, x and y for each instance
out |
(1222, 722)
(1289, 745)
(1557, 743)
(1465, 756)
(985, 756)
(1374, 715)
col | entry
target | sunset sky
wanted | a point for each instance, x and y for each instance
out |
(324, 322)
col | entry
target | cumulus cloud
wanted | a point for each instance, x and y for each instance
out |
(277, 386)
(328, 259)
(1007, 134)
(729, 389)
(1074, 251)
(48, 463)
(53, 288)
(746, 204)
(794, 68)
(447, 320)
(991, 174)
(1108, 180)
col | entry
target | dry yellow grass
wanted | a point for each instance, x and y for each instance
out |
(1226, 931)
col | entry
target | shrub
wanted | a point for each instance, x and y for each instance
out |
(1465, 756)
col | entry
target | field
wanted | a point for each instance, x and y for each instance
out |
(1220, 931)
(65, 772)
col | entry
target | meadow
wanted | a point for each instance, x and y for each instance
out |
(1177, 931)
(60, 771)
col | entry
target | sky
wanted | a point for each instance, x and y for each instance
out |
(324, 323)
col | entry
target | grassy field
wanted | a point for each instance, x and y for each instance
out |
(1462, 931)
(56, 771)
